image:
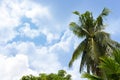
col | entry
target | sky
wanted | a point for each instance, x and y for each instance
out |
(35, 35)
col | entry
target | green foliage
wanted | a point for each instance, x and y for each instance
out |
(96, 41)
(105, 12)
(110, 66)
(77, 52)
(76, 12)
(90, 77)
(61, 75)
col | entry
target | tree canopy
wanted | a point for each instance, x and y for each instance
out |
(61, 75)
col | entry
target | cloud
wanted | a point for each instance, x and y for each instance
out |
(28, 59)
(17, 57)
(39, 57)
(17, 16)
(28, 32)
(31, 59)
(64, 43)
(50, 36)
(12, 13)
(7, 34)
(37, 12)
(13, 68)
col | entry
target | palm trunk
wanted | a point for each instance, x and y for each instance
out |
(98, 72)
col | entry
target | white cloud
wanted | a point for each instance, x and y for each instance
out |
(50, 36)
(66, 42)
(11, 13)
(37, 12)
(12, 68)
(6, 19)
(28, 32)
(38, 58)
(26, 57)
(46, 61)
(7, 34)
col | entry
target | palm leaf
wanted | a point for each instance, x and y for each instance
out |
(114, 45)
(90, 77)
(109, 65)
(83, 60)
(76, 12)
(105, 12)
(77, 52)
(116, 55)
(102, 37)
(77, 30)
(99, 21)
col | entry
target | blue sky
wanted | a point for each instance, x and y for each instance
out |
(35, 36)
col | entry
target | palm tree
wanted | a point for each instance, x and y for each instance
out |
(96, 42)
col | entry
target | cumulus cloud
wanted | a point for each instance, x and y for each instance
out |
(39, 57)
(18, 58)
(12, 68)
(7, 34)
(28, 32)
(37, 12)
(31, 59)
(11, 14)
(50, 36)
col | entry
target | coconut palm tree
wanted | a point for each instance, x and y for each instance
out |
(96, 42)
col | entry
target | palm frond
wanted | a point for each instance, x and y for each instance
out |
(76, 12)
(114, 45)
(109, 65)
(90, 77)
(105, 12)
(87, 62)
(99, 24)
(77, 30)
(83, 61)
(77, 52)
(87, 20)
(116, 55)
(102, 37)
(99, 21)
